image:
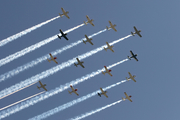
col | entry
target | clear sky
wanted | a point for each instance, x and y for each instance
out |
(155, 95)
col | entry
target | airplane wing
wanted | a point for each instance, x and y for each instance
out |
(51, 56)
(88, 40)
(111, 49)
(82, 65)
(78, 60)
(132, 53)
(61, 32)
(106, 68)
(65, 37)
(139, 34)
(108, 44)
(135, 58)
(127, 96)
(72, 88)
(76, 93)
(101, 90)
(91, 23)
(109, 73)
(89, 20)
(40, 83)
(44, 88)
(87, 17)
(135, 29)
(55, 61)
(67, 15)
(131, 77)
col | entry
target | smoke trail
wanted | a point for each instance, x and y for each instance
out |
(70, 104)
(55, 91)
(18, 90)
(41, 59)
(21, 100)
(94, 111)
(53, 70)
(31, 48)
(11, 38)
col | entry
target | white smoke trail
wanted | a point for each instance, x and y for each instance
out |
(13, 37)
(94, 111)
(55, 91)
(70, 104)
(53, 70)
(18, 90)
(21, 100)
(43, 58)
(31, 48)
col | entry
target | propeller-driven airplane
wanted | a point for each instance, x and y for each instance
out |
(136, 32)
(64, 13)
(79, 63)
(127, 97)
(109, 47)
(52, 59)
(89, 21)
(62, 35)
(107, 71)
(111, 26)
(131, 77)
(73, 90)
(102, 93)
(133, 56)
(88, 40)
(42, 86)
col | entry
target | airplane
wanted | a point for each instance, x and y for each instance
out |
(111, 26)
(102, 93)
(62, 35)
(52, 59)
(131, 77)
(42, 86)
(109, 47)
(79, 63)
(136, 32)
(89, 21)
(133, 56)
(127, 97)
(64, 13)
(107, 71)
(73, 90)
(88, 40)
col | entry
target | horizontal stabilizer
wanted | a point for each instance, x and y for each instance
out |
(59, 36)
(99, 94)
(49, 60)
(123, 99)
(84, 41)
(132, 33)
(69, 92)
(38, 87)
(105, 49)
(60, 15)
(107, 27)
(129, 58)
(85, 23)
(103, 73)
(127, 79)
(75, 64)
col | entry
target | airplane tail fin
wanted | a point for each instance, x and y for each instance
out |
(107, 27)
(60, 15)
(85, 23)
(99, 94)
(49, 60)
(129, 58)
(103, 73)
(38, 87)
(132, 33)
(84, 41)
(105, 49)
(75, 64)
(69, 92)
(123, 99)
(127, 79)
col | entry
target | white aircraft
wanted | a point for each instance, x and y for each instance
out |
(136, 32)
(73, 90)
(88, 40)
(102, 93)
(127, 97)
(52, 59)
(64, 13)
(107, 71)
(79, 63)
(111, 26)
(131, 77)
(89, 21)
(109, 47)
(42, 86)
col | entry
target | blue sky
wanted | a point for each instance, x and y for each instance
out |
(155, 94)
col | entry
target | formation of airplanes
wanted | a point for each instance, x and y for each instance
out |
(131, 77)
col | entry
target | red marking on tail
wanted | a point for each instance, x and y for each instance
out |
(55, 57)
(75, 89)
(109, 70)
